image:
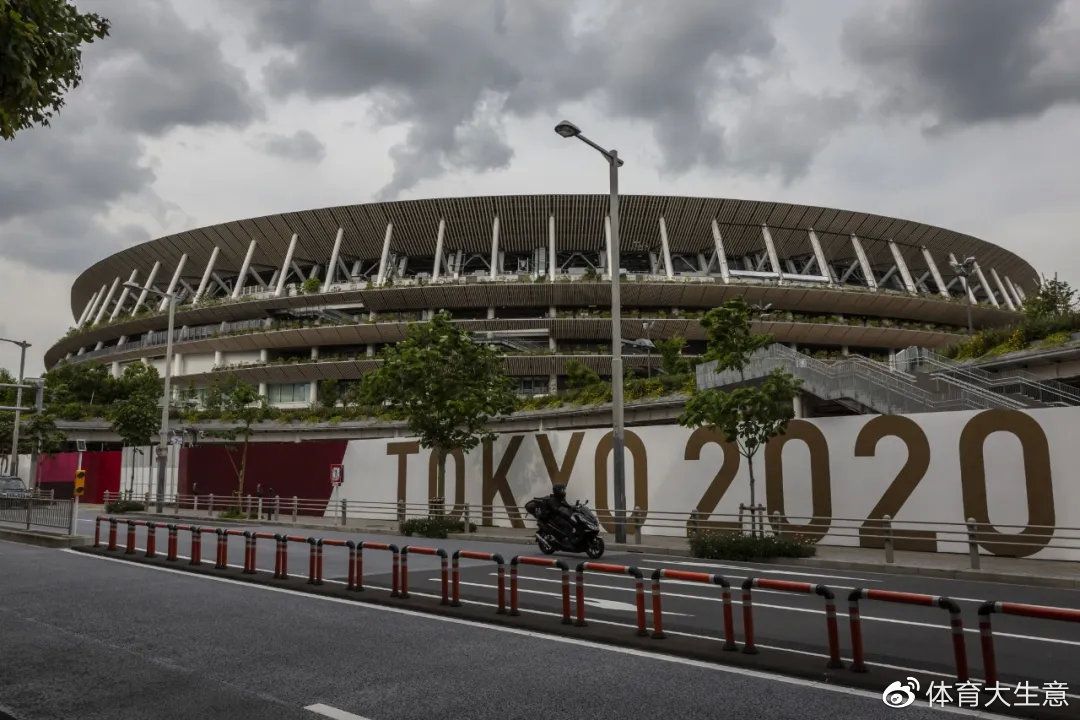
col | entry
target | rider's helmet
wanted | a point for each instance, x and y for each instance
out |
(559, 491)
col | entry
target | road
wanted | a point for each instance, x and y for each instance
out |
(897, 638)
(87, 637)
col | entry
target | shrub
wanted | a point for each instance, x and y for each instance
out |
(122, 506)
(436, 526)
(718, 545)
(232, 514)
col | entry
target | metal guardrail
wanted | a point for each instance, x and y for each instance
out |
(38, 510)
(884, 533)
(1021, 382)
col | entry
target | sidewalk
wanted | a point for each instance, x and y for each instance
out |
(1021, 571)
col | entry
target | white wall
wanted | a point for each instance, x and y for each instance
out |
(197, 363)
(672, 480)
(237, 358)
(139, 472)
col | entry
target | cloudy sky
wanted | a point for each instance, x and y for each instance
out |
(960, 113)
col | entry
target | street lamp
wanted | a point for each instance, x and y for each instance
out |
(568, 129)
(163, 446)
(963, 270)
(14, 465)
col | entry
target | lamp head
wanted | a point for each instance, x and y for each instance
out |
(567, 129)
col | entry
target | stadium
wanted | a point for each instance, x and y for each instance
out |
(285, 301)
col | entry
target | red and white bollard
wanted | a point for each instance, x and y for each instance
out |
(151, 539)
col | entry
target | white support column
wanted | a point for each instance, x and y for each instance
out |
(905, 274)
(823, 265)
(86, 310)
(239, 286)
(1020, 291)
(770, 248)
(721, 256)
(146, 288)
(864, 263)
(552, 257)
(284, 266)
(1016, 295)
(123, 296)
(932, 266)
(665, 248)
(219, 358)
(331, 268)
(98, 302)
(438, 249)
(1000, 286)
(495, 248)
(173, 281)
(206, 275)
(108, 299)
(380, 278)
(986, 285)
(607, 246)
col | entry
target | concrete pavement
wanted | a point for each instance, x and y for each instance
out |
(95, 638)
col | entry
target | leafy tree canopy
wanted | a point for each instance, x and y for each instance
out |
(729, 337)
(40, 58)
(136, 414)
(1054, 298)
(671, 360)
(445, 386)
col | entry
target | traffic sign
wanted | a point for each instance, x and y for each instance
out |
(337, 474)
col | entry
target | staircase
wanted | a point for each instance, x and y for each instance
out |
(914, 385)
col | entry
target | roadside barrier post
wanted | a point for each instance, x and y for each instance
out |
(259, 508)
(887, 525)
(170, 544)
(318, 562)
(311, 561)
(973, 544)
(97, 531)
(986, 632)
(295, 507)
(277, 508)
(956, 623)
(639, 589)
(455, 574)
(344, 511)
(279, 557)
(221, 560)
(688, 576)
(151, 539)
(831, 631)
(540, 562)
(194, 503)
(112, 534)
(779, 526)
(389, 547)
(130, 549)
(419, 550)
(210, 504)
(196, 545)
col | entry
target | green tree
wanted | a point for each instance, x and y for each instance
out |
(672, 361)
(750, 415)
(240, 404)
(136, 414)
(40, 58)
(1054, 298)
(580, 376)
(78, 390)
(444, 385)
(729, 336)
(37, 433)
(329, 393)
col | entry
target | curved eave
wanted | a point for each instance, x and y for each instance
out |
(579, 223)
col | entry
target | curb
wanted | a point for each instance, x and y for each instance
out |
(885, 569)
(43, 539)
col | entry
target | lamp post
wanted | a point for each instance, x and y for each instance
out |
(163, 441)
(963, 270)
(13, 466)
(568, 129)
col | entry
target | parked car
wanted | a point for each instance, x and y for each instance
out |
(12, 488)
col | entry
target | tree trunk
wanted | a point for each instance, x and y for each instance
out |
(440, 483)
(753, 496)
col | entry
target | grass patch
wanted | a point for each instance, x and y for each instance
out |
(122, 506)
(435, 526)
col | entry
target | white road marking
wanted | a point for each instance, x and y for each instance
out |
(750, 571)
(332, 712)
(601, 603)
(737, 600)
(634, 652)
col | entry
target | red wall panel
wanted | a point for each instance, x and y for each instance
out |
(57, 473)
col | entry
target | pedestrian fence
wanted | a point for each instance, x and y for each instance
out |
(956, 623)
(450, 580)
(39, 510)
(978, 538)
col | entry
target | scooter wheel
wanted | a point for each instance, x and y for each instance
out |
(547, 550)
(595, 548)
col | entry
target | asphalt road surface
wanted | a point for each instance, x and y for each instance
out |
(89, 637)
(896, 638)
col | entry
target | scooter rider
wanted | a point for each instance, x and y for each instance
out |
(556, 507)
